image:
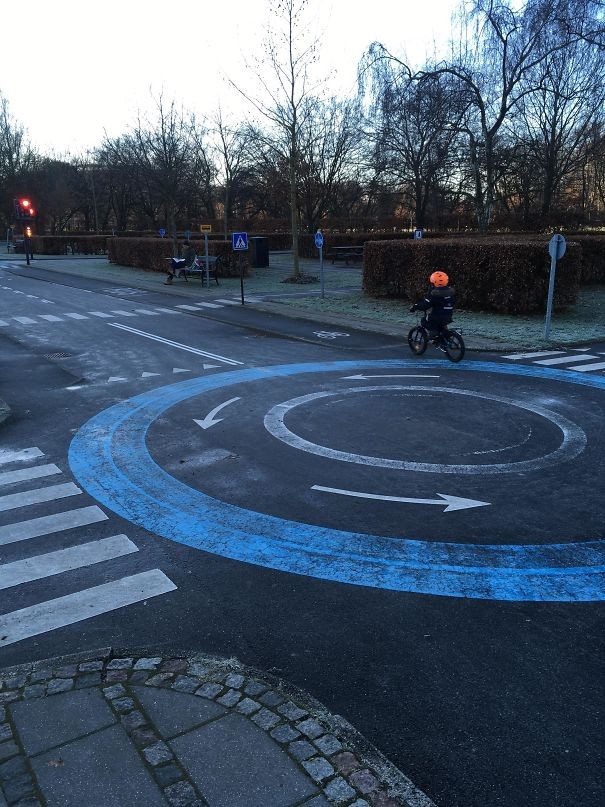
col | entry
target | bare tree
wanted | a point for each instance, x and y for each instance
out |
(232, 146)
(285, 88)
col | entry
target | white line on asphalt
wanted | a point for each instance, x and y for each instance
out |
(171, 343)
(50, 318)
(585, 368)
(2, 322)
(46, 525)
(101, 314)
(64, 560)
(209, 305)
(229, 302)
(23, 474)
(167, 310)
(124, 313)
(22, 455)
(37, 496)
(187, 307)
(147, 311)
(534, 355)
(26, 320)
(58, 613)
(565, 360)
(75, 316)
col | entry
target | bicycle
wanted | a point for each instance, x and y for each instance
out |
(449, 341)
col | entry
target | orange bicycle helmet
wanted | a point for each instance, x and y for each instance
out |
(439, 279)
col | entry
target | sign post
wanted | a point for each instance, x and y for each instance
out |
(556, 248)
(319, 243)
(239, 243)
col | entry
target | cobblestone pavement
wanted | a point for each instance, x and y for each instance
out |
(111, 728)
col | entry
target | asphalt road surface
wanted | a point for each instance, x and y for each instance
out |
(418, 544)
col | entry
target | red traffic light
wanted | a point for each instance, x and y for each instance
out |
(24, 202)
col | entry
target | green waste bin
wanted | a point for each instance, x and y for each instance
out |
(260, 252)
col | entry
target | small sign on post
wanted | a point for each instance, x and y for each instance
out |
(239, 243)
(205, 228)
(162, 232)
(556, 248)
(319, 243)
(418, 233)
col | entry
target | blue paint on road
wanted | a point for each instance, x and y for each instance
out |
(110, 459)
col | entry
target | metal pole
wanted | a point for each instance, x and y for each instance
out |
(26, 247)
(206, 254)
(241, 276)
(321, 269)
(551, 288)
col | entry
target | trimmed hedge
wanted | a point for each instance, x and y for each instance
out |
(593, 257)
(487, 275)
(74, 244)
(151, 254)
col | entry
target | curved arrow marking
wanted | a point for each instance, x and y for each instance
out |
(210, 420)
(452, 502)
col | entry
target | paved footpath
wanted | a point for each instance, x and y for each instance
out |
(104, 728)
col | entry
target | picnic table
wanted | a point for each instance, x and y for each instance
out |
(346, 254)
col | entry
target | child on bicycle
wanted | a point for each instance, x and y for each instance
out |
(440, 301)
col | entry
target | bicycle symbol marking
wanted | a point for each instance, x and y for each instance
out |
(329, 334)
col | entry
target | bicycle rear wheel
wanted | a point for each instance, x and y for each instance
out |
(418, 340)
(454, 346)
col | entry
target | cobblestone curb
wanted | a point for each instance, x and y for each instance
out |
(348, 770)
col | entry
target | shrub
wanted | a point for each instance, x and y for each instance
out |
(488, 275)
(593, 258)
(74, 244)
(153, 254)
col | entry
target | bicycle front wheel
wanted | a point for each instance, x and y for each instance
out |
(418, 340)
(454, 346)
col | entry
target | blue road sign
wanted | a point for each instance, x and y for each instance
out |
(239, 241)
(418, 233)
(110, 458)
(319, 239)
(162, 232)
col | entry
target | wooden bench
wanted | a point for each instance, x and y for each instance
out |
(346, 254)
(198, 266)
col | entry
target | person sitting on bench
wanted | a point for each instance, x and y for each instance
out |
(177, 264)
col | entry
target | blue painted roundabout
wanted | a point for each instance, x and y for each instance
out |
(110, 459)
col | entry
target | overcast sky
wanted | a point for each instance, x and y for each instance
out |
(72, 70)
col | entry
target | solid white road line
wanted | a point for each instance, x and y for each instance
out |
(46, 525)
(23, 455)
(534, 355)
(23, 474)
(38, 496)
(171, 343)
(64, 560)
(75, 316)
(50, 318)
(565, 360)
(58, 613)
(586, 368)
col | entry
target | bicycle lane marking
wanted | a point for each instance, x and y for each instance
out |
(109, 458)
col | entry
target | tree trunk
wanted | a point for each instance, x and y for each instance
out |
(294, 208)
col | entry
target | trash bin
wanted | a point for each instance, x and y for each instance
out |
(260, 252)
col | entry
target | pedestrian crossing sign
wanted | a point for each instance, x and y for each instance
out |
(239, 241)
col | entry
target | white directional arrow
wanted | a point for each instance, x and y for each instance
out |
(148, 375)
(210, 420)
(452, 502)
(364, 377)
(115, 378)
(180, 370)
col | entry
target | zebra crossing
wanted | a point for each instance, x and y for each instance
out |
(58, 562)
(118, 313)
(580, 360)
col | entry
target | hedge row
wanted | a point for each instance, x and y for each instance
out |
(487, 275)
(74, 244)
(152, 254)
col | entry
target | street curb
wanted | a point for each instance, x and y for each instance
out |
(359, 769)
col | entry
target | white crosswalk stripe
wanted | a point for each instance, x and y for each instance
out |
(209, 305)
(580, 360)
(147, 312)
(121, 313)
(72, 608)
(64, 560)
(73, 315)
(57, 564)
(23, 474)
(50, 318)
(46, 525)
(21, 455)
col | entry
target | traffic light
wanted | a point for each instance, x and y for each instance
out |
(23, 209)
(28, 232)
